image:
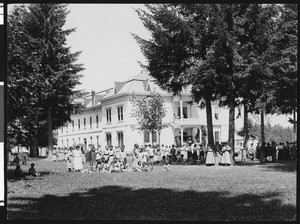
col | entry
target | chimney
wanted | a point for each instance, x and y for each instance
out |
(93, 97)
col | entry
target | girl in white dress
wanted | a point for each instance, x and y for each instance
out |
(77, 159)
(210, 157)
(54, 157)
(70, 159)
(226, 155)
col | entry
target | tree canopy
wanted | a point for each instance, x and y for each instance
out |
(42, 71)
(149, 112)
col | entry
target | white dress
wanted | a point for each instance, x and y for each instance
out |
(77, 161)
(70, 160)
(210, 157)
(226, 156)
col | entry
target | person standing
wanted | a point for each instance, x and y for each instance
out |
(210, 157)
(262, 153)
(251, 152)
(70, 157)
(286, 150)
(173, 154)
(151, 155)
(93, 157)
(226, 155)
(77, 159)
(273, 151)
(54, 153)
(242, 150)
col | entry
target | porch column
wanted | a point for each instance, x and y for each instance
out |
(181, 111)
(200, 134)
(181, 135)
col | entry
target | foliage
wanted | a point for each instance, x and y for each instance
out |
(41, 70)
(149, 112)
(275, 133)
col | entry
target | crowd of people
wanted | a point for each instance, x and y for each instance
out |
(142, 158)
(271, 152)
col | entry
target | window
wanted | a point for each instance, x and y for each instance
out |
(97, 140)
(90, 122)
(154, 139)
(97, 121)
(108, 139)
(78, 140)
(67, 142)
(73, 141)
(79, 124)
(120, 113)
(184, 112)
(72, 125)
(217, 136)
(146, 137)
(217, 113)
(120, 139)
(91, 140)
(67, 126)
(62, 143)
(108, 115)
(84, 123)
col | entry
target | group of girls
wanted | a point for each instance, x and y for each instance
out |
(59, 154)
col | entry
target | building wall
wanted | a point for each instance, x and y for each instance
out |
(196, 118)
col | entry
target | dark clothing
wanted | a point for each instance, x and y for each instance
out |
(280, 154)
(287, 155)
(173, 156)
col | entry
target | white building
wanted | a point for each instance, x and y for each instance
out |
(107, 121)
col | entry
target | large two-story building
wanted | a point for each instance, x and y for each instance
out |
(107, 120)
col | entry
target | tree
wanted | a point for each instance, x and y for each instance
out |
(149, 112)
(283, 59)
(178, 53)
(41, 67)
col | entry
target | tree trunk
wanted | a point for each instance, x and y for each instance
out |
(35, 146)
(210, 133)
(50, 133)
(262, 126)
(246, 129)
(295, 126)
(231, 130)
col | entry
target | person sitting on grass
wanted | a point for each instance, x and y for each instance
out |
(18, 172)
(32, 171)
(138, 167)
(17, 160)
(116, 166)
(166, 166)
(145, 167)
(100, 165)
(106, 167)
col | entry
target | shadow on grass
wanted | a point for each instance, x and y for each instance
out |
(11, 176)
(123, 203)
(284, 166)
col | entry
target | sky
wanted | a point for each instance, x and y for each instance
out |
(109, 52)
(103, 34)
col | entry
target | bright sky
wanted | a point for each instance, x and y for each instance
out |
(109, 52)
(103, 34)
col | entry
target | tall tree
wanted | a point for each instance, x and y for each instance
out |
(178, 53)
(283, 59)
(47, 73)
(149, 112)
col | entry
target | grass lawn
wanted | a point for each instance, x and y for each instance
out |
(250, 191)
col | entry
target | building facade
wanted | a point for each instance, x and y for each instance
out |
(107, 120)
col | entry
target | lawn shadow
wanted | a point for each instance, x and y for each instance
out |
(289, 166)
(11, 176)
(124, 203)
